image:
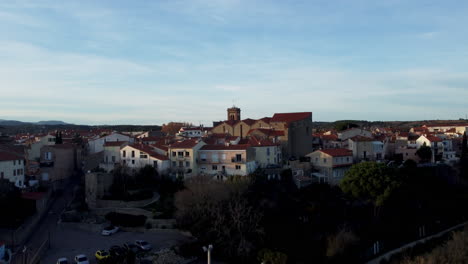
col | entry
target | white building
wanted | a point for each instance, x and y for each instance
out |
(192, 132)
(111, 156)
(12, 168)
(97, 144)
(138, 156)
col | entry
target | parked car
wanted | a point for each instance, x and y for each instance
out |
(143, 245)
(101, 254)
(81, 259)
(117, 251)
(107, 231)
(131, 247)
(62, 261)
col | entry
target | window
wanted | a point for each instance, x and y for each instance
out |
(268, 151)
(180, 154)
(133, 153)
(239, 157)
(155, 164)
(347, 159)
(173, 153)
(143, 155)
(124, 162)
(215, 167)
(133, 161)
(14, 162)
(107, 159)
(14, 172)
(19, 162)
(324, 160)
(187, 154)
(174, 163)
(124, 153)
(214, 158)
(187, 164)
(181, 164)
(203, 157)
(238, 167)
(113, 159)
(1, 175)
(223, 156)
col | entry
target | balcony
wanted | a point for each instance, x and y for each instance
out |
(236, 160)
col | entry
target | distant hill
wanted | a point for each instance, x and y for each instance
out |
(20, 123)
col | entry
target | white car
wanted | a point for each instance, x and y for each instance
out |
(81, 259)
(62, 261)
(143, 245)
(109, 230)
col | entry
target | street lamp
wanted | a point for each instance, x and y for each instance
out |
(208, 251)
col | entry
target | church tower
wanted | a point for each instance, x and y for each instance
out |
(234, 113)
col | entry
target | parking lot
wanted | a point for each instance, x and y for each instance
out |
(68, 241)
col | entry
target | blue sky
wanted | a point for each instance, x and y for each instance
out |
(151, 62)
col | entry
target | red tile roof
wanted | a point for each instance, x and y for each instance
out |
(8, 156)
(329, 137)
(160, 146)
(249, 121)
(255, 142)
(114, 143)
(189, 143)
(291, 117)
(266, 119)
(33, 195)
(224, 147)
(447, 125)
(338, 152)
(361, 139)
(433, 138)
(147, 139)
(150, 151)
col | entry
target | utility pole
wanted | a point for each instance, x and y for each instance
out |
(208, 251)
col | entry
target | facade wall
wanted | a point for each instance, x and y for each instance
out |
(34, 150)
(334, 168)
(214, 162)
(64, 160)
(353, 132)
(266, 155)
(136, 159)
(185, 162)
(97, 145)
(13, 170)
(362, 150)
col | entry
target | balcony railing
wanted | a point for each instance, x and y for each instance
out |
(236, 160)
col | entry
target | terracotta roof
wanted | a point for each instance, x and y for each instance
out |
(291, 117)
(249, 121)
(266, 119)
(255, 142)
(7, 156)
(361, 139)
(339, 152)
(329, 137)
(150, 151)
(433, 138)
(224, 147)
(33, 195)
(160, 146)
(114, 143)
(147, 139)
(184, 144)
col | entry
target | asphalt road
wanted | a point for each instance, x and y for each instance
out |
(67, 241)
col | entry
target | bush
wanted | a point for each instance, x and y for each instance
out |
(126, 220)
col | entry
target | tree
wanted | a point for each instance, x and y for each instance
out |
(172, 128)
(58, 137)
(219, 213)
(340, 242)
(424, 153)
(268, 256)
(370, 181)
(464, 158)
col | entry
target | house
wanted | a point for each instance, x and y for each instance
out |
(365, 148)
(192, 132)
(58, 162)
(183, 156)
(34, 148)
(332, 163)
(227, 160)
(435, 143)
(137, 156)
(353, 132)
(111, 156)
(407, 153)
(97, 144)
(12, 167)
(292, 130)
(266, 152)
(434, 128)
